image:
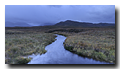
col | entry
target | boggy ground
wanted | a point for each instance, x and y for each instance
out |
(96, 43)
(20, 43)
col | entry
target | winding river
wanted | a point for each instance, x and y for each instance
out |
(56, 54)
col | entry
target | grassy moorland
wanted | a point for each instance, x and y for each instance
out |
(20, 43)
(96, 43)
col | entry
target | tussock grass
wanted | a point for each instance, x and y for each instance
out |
(97, 44)
(22, 43)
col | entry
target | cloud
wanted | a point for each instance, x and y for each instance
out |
(98, 13)
(46, 14)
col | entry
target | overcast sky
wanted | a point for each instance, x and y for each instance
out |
(51, 14)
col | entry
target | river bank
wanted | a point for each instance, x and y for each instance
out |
(19, 43)
(57, 54)
(96, 44)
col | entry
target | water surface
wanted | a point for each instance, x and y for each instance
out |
(56, 54)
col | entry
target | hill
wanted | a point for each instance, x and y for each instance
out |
(82, 24)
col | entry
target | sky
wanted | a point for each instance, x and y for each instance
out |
(40, 15)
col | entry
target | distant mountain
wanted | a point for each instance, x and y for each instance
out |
(19, 22)
(47, 24)
(82, 24)
(16, 24)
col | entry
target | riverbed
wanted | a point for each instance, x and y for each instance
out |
(56, 54)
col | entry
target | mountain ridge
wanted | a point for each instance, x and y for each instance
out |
(82, 24)
(67, 23)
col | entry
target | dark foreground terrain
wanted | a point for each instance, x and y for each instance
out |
(94, 42)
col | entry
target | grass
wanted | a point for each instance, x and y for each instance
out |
(96, 43)
(21, 43)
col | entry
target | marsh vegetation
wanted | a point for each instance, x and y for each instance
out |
(19, 43)
(96, 43)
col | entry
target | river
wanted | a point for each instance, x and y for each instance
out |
(56, 54)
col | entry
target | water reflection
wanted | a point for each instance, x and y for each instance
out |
(56, 54)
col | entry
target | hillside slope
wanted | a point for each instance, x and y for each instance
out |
(82, 24)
